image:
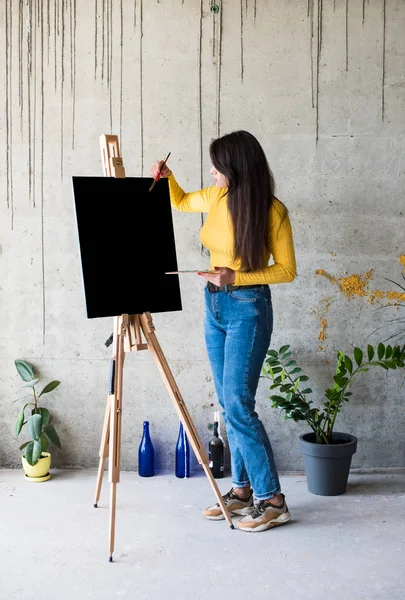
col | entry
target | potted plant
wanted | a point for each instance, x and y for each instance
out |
(36, 459)
(327, 453)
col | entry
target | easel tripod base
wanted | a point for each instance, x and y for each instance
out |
(127, 337)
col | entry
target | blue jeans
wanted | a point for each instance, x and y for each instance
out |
(238, 327)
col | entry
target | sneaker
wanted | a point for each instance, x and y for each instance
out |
(264, 516)
(234, 504)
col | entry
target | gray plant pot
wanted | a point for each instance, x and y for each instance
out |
(327, 466)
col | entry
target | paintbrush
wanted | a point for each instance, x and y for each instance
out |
(158, 175)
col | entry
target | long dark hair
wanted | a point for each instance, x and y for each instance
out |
(240, 157)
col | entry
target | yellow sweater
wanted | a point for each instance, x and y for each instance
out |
(217, 235)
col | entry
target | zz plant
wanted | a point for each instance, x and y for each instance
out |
(39, 420)
(292, 398)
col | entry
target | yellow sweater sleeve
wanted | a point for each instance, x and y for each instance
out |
(189, 202)
(283, 269)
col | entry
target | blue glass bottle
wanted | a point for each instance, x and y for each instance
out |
(182, 454)
(146, 454)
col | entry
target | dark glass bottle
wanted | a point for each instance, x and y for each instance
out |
(146, 454)
(216, 454)
(182, 454)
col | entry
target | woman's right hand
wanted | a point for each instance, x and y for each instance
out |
(155, 170)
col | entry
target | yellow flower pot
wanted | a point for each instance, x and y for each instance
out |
(40, 471)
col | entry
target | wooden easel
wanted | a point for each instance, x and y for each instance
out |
(127, 337)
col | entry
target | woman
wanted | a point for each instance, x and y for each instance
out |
(244, 226)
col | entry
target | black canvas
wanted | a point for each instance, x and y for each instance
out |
(126, 242)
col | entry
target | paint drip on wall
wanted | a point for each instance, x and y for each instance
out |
(355, 286)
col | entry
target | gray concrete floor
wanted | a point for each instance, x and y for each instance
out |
(54, 544)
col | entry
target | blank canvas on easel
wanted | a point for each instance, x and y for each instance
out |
(126, 241)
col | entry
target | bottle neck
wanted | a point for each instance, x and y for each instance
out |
(215, 429)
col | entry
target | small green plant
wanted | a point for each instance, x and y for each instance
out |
(287, 378)
(39, 421)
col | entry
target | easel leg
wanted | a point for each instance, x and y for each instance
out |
(103, 451)
(113, 510)
(174, 392)
(115, 432)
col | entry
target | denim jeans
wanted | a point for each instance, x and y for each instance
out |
(238, 326)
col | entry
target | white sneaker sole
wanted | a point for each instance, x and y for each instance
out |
(235, 513)
(283, 518)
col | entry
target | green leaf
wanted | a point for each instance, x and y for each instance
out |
(380, 351)
(272, 353)
(349, 364)
(304, 378)
(24, 444)
(363, 370)
(388, 352)
(45, 414)
(33, 452)
(30, 384)
(296, 370)
(296, 384)
(338, 380)
(391, 364)
(370, 353)
(20, 421)
(307, 391)
(383, 365)
(34, 426)
(48, 388)
(282, 375)
(25, 370)
(277, 399)
(283, 349)
(358, 356)
(291, 363)
(44, 442)
(53, 436)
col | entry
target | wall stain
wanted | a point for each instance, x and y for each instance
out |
(358, 285)
(141, 77)
(95, 36)
(48, 20)
(121, 63)
(62, 87)
(242, 66)
(9, 107)
(347, 35)
(42, 200)
(214, 35)
(219, 71)
(55, 37)
(110, 37)
(363, 12)
(255, 10)
(74, 72)
(31, 142)
(200, 117)
(318, 58)
(102, 40)
(20, 61)
(134, 14)
(310, 14)
(384, 11)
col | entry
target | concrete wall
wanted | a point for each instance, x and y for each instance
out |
(322, 86)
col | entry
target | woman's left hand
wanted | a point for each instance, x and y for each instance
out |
(223, 276)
